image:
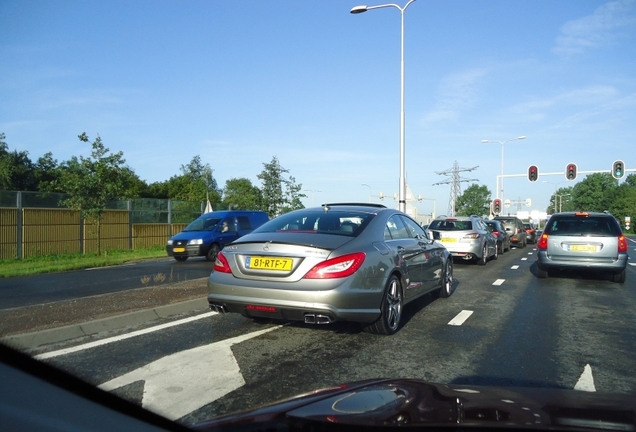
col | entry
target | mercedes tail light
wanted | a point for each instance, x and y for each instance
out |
(221, 265)
(339, 267)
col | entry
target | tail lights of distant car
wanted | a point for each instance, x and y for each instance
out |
(221, 265)
(339, 267)
(622, 243)
(542, 244)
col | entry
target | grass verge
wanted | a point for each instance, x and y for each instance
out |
(57, 263)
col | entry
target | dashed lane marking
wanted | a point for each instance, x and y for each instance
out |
(460, 318)
(498, 282)
(514, 267)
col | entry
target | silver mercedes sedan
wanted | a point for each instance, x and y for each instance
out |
(338, 262)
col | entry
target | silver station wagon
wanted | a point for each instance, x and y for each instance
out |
(339, 262)
(582, 241)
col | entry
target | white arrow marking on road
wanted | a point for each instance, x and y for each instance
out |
(182, 382)
(586, 381)
(460, 318)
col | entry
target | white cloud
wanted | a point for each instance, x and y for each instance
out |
(456, 93)
(595, 30)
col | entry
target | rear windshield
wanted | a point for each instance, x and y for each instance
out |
(448, 225)
(582, 226)
(333, 222)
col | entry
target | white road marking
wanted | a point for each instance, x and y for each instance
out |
(498, 282)
(460, 318)
(110, 267)
(524, 259)
(632, 264)
(121, 337)
(514, 267)
(531, 253)
(586, 381)
(182, 382)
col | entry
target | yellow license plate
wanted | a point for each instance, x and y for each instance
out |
(268, 263)
(583, 248)
(449, 240)
(178, 250)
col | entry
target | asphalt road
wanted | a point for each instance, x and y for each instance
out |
(561, 332)
(53, 287)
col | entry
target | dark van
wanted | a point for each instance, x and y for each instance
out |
(207, 235)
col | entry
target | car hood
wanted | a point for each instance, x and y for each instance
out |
(407, 402)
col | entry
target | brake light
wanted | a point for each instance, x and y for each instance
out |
(339, 267)
(221, 265)
(622, 243)
(495, 233)
(543, 242)
(259, 308)
(581, 214)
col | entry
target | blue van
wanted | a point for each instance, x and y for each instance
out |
(207, 234)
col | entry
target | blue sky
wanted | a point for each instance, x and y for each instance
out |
(239, 82)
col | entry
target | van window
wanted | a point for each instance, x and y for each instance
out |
(243, 223)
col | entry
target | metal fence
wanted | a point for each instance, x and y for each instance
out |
(35, 224)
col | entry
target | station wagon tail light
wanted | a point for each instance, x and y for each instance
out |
(622, 243)
(543, 242)
(339, 267)
(472, 235)
(221, 265)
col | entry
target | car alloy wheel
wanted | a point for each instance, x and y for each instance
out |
(390, 311)
(212, 253)
(447, 279)
(484, 256)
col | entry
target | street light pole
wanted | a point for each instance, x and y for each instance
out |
(364, 184)
(502, 161)
(402, 189)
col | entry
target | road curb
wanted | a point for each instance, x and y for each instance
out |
(60, 334)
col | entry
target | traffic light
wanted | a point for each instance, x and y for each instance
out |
(496, 206)
(570, 172)
(618, 169)
(533, 173)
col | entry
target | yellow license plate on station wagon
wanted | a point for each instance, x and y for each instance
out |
(449, 240)
(178, 250)
(268, 263)
(583, 248)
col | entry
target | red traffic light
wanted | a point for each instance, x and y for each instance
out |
(496, 206)
(570, 171)
(533, 173)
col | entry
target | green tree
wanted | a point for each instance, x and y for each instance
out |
(47, 173)
(474, 201)
(280, 194)
(561, 200)
(16, 169)
(195, 181)
(94, 181)
(240, 193)
(593, 193)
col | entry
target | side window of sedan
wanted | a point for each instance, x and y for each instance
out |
(396, 228)
(414, 229)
